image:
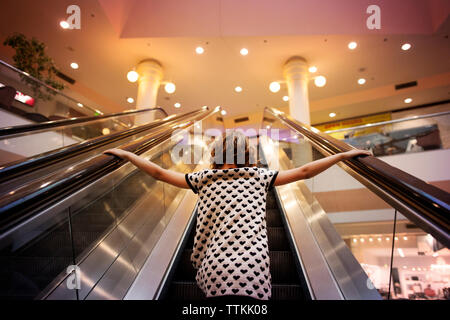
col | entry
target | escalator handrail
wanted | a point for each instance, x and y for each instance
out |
(45, 192)
(45, 85)
(428, 205)
(26, 128)
(21, 167)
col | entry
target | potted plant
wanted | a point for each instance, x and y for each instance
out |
(31, 58)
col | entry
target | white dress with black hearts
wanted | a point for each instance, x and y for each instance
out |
(230, 251)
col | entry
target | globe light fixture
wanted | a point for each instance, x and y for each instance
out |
(170, 87)
(132, 76)
(274, 86)
(352, 45)
(320, 81)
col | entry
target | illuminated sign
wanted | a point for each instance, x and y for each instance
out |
(22, 97)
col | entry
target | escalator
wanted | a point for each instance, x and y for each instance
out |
(101, 229)
(41, 239)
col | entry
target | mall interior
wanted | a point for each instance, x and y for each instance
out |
(302, 79)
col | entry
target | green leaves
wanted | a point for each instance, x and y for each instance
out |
(30, 57)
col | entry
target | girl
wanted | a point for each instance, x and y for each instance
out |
(230, 251)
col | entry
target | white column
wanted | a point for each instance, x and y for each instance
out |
(295, 72)
(150, 76)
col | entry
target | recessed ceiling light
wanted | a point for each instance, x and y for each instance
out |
(244, 51)
(64, 24)
(361, 81)
(170, 87)
(80, 105)
(223, 112)
(74, 65)
(238, 89)
(408, 100)
(106, 131)
(320, 81)
(274, 86)
(199, 50)
(406, 46)
(332, 115)
(177, 105)
(268, 126)
(352, 45)
(130, 100)
(312, 69)
(132, 76)
(285, 98)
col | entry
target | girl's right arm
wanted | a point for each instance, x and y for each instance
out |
(172, 177)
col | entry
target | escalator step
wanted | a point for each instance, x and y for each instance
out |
(271, 202)
(287, 292)
(273, 218)
(277, 239)
(185, 290)
(188, 290)
(185, 270)
(282, 268)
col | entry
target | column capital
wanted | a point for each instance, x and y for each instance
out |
(295, 67)
(150, 67)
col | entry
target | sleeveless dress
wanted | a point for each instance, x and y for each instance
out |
(230, 252)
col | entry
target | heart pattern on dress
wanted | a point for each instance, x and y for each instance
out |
(230, 249)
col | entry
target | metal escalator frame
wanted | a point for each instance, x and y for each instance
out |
(152, 280)
(11, 131)
(425, 205)
(42, 193)
(121, 173)
(331, 270)
(22, 167)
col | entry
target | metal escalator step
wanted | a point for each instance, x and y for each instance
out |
(185, 270)
(277, 239)
(271, 202)
(273, 218)
(287, 292)
(185, 290)
(188, 290)
(282, 268)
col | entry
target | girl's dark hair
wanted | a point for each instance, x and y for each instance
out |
(237, 144)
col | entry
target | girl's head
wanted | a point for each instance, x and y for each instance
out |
(232, 148)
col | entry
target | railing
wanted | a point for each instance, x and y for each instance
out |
(32, 164)
(410, 134)
(374, 207)
(29, 128)
(94, 216)
(47, 87)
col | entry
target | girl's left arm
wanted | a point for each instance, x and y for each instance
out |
(172, 177)
(314, 168)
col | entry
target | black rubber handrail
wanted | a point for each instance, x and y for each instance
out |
(26, 128)
(429, 203)
(22, 167)
(39, 194)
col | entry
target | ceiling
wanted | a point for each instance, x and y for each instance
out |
(116, 35)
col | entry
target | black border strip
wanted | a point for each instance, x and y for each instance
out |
(190, 184)
(272, 181)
